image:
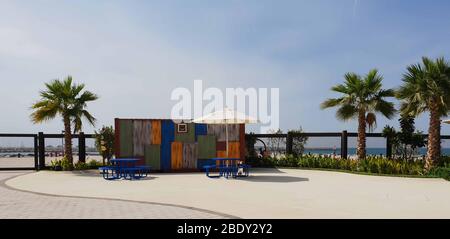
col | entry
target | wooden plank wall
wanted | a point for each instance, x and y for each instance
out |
(200, 129)
(188, 137)
(126, 138)
(234, 151)
(141, 136)
(219, 130)
(206, 146)
(156, 132)
(153, 156)
(167, 137)
(190, 155)
(116, 138)
(157, 142)
(177, 156)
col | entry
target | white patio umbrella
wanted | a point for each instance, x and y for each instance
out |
(226, 116)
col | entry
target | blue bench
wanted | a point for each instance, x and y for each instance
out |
(144, 170)
(109, 172)
(209, 167)
(115, 172)
(227, 171)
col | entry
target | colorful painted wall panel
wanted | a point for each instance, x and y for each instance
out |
(206, 146)
(188, 137)
(126, 138)
(153, 156)
(167, 137)
(219, 131)
(141, 136)
(156, 132)
(234, 151)
(190, 155)
(177, 155)
(220, 146)
(200, 129)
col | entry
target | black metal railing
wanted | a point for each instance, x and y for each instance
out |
(39, 148)
(344, 135)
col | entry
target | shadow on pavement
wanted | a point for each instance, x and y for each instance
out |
(274, 179)
(100, 176)
(266, 170)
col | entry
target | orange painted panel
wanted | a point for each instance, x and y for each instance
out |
(221, 154)
(177, 155)
(156, 132)
(234, 151)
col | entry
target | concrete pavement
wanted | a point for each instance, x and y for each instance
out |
(25, 205)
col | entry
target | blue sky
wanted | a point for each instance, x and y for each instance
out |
(133, 53)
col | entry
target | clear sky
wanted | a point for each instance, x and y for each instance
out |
(133, 53)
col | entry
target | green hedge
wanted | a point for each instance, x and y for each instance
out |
(441, 172)
(64, 165)
(373, 165)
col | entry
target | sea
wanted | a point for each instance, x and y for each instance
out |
(369, 151)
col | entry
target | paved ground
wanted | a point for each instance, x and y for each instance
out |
(268, 193)
(19, 204)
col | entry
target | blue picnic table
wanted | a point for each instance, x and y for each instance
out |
(125, 168)
(227, 167)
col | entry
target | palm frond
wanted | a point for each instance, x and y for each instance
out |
(371, 121)
(346, 112)
(329, 103)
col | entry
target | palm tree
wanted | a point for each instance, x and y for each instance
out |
(67, 100)
(362, 98)
(426, 87)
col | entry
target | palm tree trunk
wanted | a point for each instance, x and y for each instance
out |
(434, 137)
(361, 151)
(68, 140)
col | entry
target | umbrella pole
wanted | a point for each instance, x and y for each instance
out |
(226, 136)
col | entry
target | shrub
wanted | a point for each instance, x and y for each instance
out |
(66, 165)
(372, 164)
(56, 165)
(261, 162)
(440, 172)
(61, 164)
(444, 161)
(104, 142)
(93, 164)
(81, 166)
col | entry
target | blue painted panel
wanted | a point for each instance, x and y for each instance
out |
(200, 129)
(167, 137)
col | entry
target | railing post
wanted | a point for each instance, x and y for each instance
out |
(289, 142)
(41, 150)
(82, 148)
(344, 144)
(388, 147)
(36, 151)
